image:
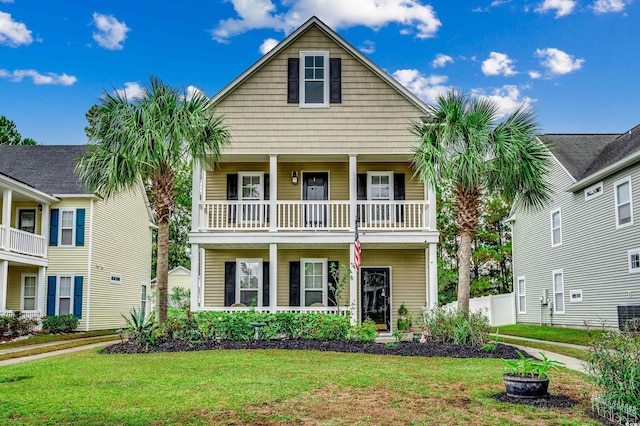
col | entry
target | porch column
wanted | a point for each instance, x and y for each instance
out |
(273, 192)
(4, 277)
(40, 286)
(431, 257)
(196, 197)
(273, 277)
(202, 278)
(353, 192)
(353, 288)
(195, 270)
(7, 194)
(44, 228)
(431, 194)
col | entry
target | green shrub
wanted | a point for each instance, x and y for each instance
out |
(60, 324)
(364, 332)
(16, 326)
(455, 327)
(140, 329)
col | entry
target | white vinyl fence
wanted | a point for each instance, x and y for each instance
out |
(500, 308)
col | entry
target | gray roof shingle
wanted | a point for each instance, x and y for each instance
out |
(621, 147)
(576, 152)
(49, 168)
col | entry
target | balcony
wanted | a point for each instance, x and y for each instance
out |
(22, 242)
(299, 215)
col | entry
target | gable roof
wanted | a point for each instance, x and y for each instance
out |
(576, 151)
(314, 22)
(48, 168)
(620, 148)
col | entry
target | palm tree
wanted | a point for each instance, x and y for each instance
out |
(463, 145)
(148, 138)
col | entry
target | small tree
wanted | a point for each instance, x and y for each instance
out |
(339, 277)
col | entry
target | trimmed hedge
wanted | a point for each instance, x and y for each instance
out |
(60, 324)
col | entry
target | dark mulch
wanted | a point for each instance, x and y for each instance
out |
(402, 349)
(550, 401)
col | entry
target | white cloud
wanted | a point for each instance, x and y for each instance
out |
(610, 6)
(191, 91)
(267, 45)
(426, 88)
(441, 60)
(557, 61)
(254, 14)
(534, 74)
(37, 78)
(562, 7)
(498, 64)
(131, 90)
(13, 33)
(495, 3)
(508, 98)
(6, 1)
(111, 32)
(368, 47)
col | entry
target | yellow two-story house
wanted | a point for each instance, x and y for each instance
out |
(64, 250)
(320, 143)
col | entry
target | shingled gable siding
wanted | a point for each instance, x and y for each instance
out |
(372, 117)
(593, 254)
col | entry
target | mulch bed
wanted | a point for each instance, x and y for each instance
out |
(550, 401)
(402, 349)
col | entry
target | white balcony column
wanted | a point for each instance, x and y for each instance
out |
(431, 257)
(353, 287)
(44, 228)
(4, 277)
(273, 192)
(431, 195)
(202, 278)
(196, 196)
(40, 290)
(195, 271)
(273, 277)
(353, 191)
(7, 195)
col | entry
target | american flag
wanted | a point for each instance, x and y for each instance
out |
(357, 253)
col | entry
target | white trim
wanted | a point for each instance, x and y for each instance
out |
(325, 279)
(35, 218)
(58, 287)
(145, 299)
(391, 210)
(35, 296)
(594, 191)
(87, 308)
(520, 295)
(73, 227)
(22, 188)
(578, 294)
(391, 311)
(630, 253)
(260, 278)
(615, 196)
(302, 173)
(554, 292)
(325, 80)
(555, 243)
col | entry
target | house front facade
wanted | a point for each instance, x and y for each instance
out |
(577, 261)
(64, 250)
(320, 145)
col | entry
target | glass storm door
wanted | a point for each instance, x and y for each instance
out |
(375, 297)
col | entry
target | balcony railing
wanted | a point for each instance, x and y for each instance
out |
(22, 242)
(314, 215)
(343, 311)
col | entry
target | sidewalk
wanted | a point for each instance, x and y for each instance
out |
(44, 345)
(55, 353)
(527, 339)
(570, 363)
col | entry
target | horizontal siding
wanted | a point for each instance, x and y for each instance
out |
(17, 205)
(214, 271)
(14, 284)
(373, 117)
(593, 254)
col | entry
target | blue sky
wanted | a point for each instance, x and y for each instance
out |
(576, 62)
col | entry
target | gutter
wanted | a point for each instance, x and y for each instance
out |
(599, 175)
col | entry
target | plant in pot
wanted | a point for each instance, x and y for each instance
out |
(527, 377)
(403, 318)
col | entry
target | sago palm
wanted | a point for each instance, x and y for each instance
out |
(461, 143)
(147, 139)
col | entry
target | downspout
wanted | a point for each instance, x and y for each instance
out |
(89, 262)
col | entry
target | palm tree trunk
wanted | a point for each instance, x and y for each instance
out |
(464, 271)
(162, 271)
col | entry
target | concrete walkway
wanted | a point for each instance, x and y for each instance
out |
(527, 339)
(569, 362)
(56, 353)
(57, 342)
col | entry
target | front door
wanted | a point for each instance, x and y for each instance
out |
(315, 187)
(375, 299)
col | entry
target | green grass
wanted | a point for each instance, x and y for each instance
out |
(562, 350)
(58, 347)
(269, 387)
(550, 333)
(47, 338)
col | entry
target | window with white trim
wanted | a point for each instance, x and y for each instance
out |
(558, 291)
(249, 281)
(27, 220)
(593, 191)
(64, 299)
(556, 228)
(575, 296)
(29, 291)
(143, 299)
(314, 79)
(522, 296)
(67, 227)
(634, 260)
(251, 191)
(314, 282)
(380, 189)
(624, 205)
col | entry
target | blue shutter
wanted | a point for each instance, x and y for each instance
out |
(51, 295)
(77, 297)
(53, 227)
(80, 227)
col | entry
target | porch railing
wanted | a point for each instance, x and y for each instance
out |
(2, 231)
(344, 310)
(26, 242)
(313, 215)
(24, 314)
(234, 215)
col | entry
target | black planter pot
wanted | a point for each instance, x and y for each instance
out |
(525, 387)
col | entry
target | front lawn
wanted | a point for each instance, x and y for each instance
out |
(270, 387)
(553, 334)
(48, 338)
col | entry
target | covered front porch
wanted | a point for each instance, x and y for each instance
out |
(23, 289)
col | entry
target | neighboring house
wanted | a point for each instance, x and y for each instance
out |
(320, 140)
(64, 250)
(177, 277)
(580, 255)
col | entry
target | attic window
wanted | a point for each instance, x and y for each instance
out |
(593, 191)
(314, 80)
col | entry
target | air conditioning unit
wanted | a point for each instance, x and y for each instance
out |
(626, 313)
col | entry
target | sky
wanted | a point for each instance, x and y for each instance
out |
(575, 62)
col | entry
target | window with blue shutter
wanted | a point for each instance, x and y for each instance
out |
(51, 295)
(53, 227)
(80, 213)
(77, 296)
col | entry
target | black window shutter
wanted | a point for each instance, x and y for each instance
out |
(398, 194)
(265, 283)
(232, 194)
(293, 81)
(335, 81)
(265, 190)
(332, 299)
(229, 283)
(294, 283)
(362, 186)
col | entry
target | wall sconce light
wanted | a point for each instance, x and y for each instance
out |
(294, 177)
(39, 207)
